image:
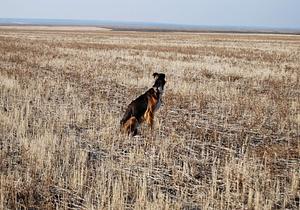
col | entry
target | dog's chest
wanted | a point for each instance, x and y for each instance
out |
(158, 104)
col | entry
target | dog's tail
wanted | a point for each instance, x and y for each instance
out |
(126, 116)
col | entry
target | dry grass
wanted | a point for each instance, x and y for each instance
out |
(227, 136)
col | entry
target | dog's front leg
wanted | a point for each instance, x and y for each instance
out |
(151, 120)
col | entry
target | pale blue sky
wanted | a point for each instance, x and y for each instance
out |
(269, 13)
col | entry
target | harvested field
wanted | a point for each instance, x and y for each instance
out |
(226, 137)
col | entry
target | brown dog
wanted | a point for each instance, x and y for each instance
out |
(143, 108)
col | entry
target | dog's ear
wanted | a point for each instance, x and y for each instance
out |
(155, 75)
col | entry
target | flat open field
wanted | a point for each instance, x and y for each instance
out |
(226, 137)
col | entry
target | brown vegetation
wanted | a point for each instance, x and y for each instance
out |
(226, 137)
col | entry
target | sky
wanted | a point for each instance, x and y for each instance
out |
(249, 13)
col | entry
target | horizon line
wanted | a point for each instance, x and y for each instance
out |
(139, 24)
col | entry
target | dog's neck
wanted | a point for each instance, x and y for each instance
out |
(159, 96)
(157, 91)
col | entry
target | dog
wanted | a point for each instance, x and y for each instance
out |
(142, 109)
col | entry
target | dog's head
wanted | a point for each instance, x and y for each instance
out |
(159, 81)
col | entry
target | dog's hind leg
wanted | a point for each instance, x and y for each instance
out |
(130, 126)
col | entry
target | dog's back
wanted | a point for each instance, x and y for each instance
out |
(136, 108)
